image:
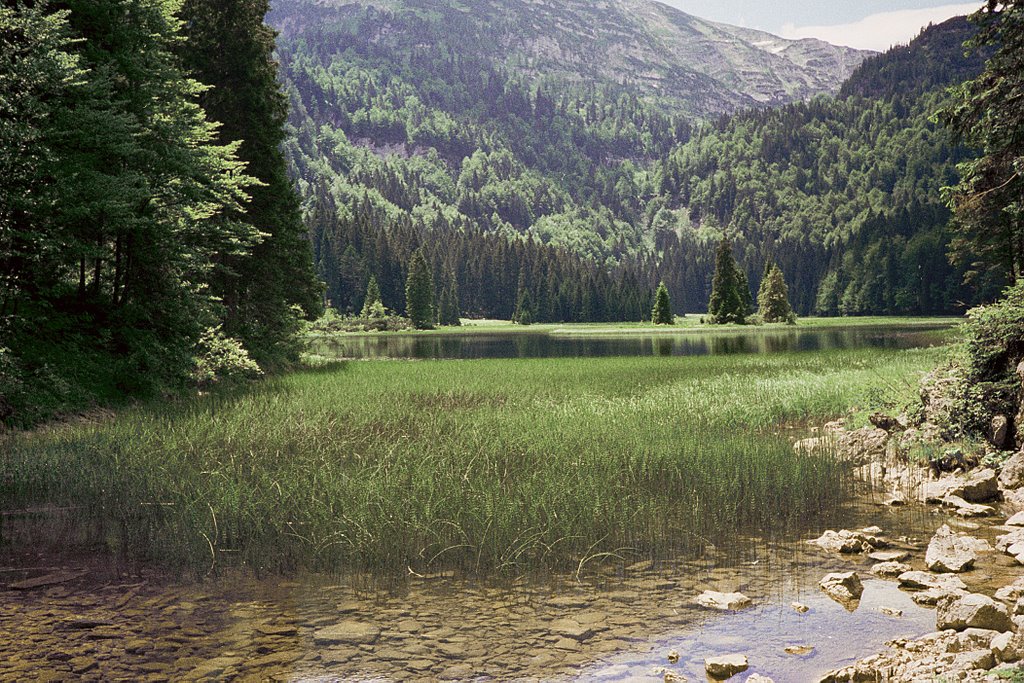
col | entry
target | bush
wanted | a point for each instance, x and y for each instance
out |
(219, 358)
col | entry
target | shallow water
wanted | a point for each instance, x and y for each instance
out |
(521, 343)
(617, 622)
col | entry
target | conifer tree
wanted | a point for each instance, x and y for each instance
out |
(726, 304)
(662, 313)
(419, 292)
(231, 49)
(524, 313)
(448, 309)
(372, 305)
(773, 299)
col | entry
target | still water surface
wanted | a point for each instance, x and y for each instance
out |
(553, 344)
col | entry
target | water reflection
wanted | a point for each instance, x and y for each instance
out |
(527, 344)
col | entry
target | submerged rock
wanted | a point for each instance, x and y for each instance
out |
(723, 601)
(890, 570)
(347, 632)
(726, 666)
(843, 587)
(950, 551)
(973, 610)
(799, 607)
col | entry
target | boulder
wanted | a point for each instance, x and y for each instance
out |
(846, 541)
(937, 491)
(1008, 647)
(1011, 592)
(1016, 520)
(1013, 500)
(726, 666)
(723, 601)
(999, 432)
(890, 570)
(932, 587)
(950, 551)
(973, 610)
(843, 587)
(889, 556)
(981, 486)
(965, 509)
(799, 607)
(1011, 476)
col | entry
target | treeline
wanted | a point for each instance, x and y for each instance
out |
(494, 276)
(149, 235)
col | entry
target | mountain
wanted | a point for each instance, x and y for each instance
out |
(685, 63)
(471, 129)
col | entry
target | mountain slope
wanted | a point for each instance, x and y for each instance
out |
(688, 64)
(399, 140)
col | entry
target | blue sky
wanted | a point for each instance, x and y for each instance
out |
(871, 24)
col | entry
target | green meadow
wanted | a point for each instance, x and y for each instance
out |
(483, 467)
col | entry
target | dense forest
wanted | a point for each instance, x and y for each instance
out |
(432, 142)
(143, 245)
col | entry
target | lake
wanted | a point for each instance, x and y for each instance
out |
(567, 342)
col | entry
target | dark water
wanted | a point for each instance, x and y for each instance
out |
(542, 344)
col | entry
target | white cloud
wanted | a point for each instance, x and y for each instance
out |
(882, 30)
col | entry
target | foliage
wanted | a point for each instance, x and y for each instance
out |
(483, 466)
(230, 48)
(662, 312)
(448, 309)
(729, 289)
(219, 358)
(372, 305)
(419, 293)
(986, 113)
(773, 298)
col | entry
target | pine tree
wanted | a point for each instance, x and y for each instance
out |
(524, 313)
(662, 313)
(419, 292)
(773, 299)
(448, 310)
(231, 49)
(372, 305)
(726, 304)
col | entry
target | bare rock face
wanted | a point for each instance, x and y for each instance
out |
(950, 551)
(1011, 477)
(726, 666)
(973, 610)
(843, 587)
(723, 601)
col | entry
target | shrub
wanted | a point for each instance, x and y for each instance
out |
(219, 357)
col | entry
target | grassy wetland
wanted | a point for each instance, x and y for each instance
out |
(484, 467)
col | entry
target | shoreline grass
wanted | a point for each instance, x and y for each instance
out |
(491, 466)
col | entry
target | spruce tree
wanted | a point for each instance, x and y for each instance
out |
(726, 304)
(448, 309)
(372, 305)
(662, 313)
(524, 313)
(231, 49)
(419, 292)
(773, 299)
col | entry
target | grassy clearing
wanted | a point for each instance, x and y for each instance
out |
(482, 466)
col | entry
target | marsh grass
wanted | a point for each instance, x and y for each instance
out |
(488, 466)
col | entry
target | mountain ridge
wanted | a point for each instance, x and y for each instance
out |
(685, 63)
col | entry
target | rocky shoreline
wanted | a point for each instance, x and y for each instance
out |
(979, 634)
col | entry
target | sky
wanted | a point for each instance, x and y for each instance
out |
(868, 24)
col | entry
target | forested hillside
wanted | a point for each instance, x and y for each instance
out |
(408, 141)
